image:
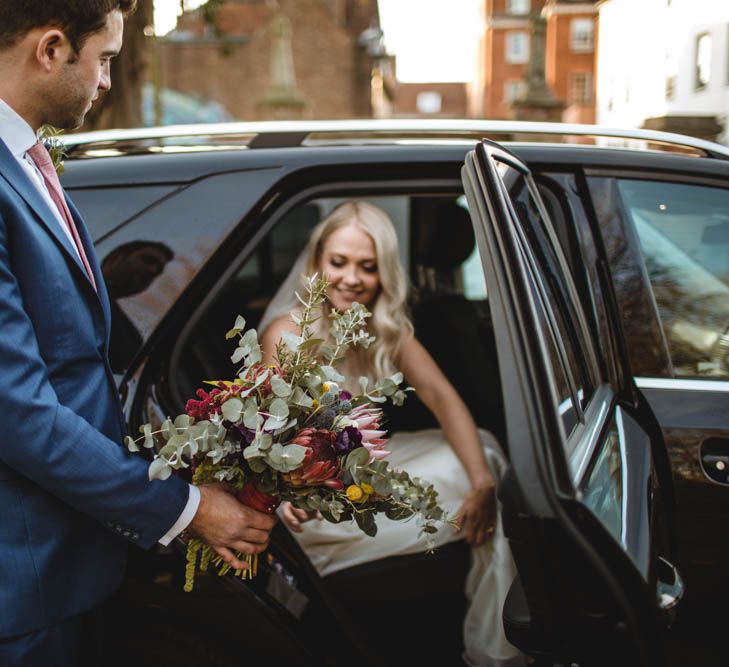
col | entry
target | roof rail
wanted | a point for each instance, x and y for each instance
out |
(296, 133)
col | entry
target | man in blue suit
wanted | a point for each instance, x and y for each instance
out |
(71, 498)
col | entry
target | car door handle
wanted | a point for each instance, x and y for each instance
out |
(714, 456)
(669, 588)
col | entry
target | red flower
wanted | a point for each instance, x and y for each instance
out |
(204, 408)
(258, 500)
(320, 465)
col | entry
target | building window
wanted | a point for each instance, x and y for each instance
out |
(513, 90)
(703, 60)
(580, 88)
(429, 101)
(671, 74)
(517, 47)
(517, 6)
(582, 35)
(670, 86)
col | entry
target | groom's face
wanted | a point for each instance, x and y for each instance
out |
(85, 74)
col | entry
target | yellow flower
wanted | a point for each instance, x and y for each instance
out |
(315, 403)
(367, 489)
(354, 493)
(325, 388)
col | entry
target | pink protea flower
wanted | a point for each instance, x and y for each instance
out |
(320, 465)
(367, 420)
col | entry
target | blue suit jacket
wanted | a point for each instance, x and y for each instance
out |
(69, 493)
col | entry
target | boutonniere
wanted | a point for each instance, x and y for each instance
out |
(51, 138)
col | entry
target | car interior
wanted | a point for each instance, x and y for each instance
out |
(448, 302)
(449, 308)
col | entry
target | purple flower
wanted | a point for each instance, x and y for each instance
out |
(345, 396)
(348, 438)
(247, 435)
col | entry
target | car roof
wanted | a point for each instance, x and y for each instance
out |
(182, 154)
(289, 134)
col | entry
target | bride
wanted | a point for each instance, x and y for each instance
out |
(356, 247)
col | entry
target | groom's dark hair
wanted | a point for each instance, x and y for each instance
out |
(78, 19)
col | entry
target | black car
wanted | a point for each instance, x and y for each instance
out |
(591, 316)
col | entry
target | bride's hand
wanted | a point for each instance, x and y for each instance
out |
(293, 517)
(477, 514)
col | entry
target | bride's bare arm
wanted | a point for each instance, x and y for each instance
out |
(272, 335)
(477, 514)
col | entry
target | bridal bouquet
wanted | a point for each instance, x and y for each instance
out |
(288, 431)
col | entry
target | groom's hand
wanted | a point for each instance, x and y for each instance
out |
(228, 526)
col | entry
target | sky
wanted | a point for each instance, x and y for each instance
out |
(434, 40)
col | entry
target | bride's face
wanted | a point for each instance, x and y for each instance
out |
(349, 260)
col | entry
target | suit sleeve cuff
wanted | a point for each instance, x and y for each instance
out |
(193, 502)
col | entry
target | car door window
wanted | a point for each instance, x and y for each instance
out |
(684, 236)
(573, 361)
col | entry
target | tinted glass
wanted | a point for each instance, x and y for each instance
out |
(684, 236)
(603, 491)
(105, 209)
(558, 311)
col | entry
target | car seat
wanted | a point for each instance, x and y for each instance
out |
(455, 330)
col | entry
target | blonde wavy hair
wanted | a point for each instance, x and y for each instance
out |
(389, 323)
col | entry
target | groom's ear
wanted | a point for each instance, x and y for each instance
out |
(53, 49)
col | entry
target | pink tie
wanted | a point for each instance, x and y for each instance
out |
(39, 154)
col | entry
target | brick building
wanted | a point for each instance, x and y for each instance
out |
(571, 56)
(430, 100)
(265, 59)
(504, 54)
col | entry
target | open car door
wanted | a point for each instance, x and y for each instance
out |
(583, 507)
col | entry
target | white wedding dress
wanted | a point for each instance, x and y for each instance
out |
(427, 454)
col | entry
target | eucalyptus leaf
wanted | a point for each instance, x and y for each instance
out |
(331, 374)
(252, 452)
(357, 457)
(251, 418)
(250, 338)
(258, 465)
(159, 469)
(278, 409)
(263, 441)
(301, 398)
(280, 387)
(286, 458)
(182, 423)
(232, 409)
(238, 354)
(240, 324)
(148, 437)
(291, 340)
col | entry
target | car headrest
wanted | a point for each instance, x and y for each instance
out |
(445, 238)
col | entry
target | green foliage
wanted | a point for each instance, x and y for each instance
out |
(259, 430)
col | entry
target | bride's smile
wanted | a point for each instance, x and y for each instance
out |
(349, 260)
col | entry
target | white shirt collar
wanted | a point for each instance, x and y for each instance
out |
(14, 131)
